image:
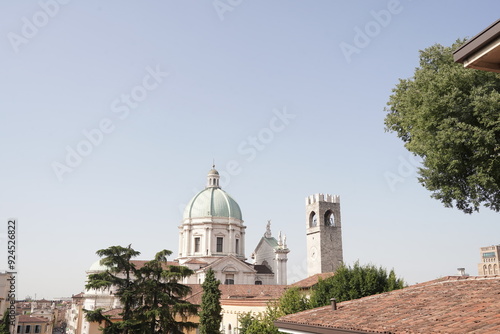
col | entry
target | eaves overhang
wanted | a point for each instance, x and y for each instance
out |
(296, 328)
(481, 52)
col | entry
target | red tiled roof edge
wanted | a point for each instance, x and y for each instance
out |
(311, 280)
(27, 318)
(391, 323)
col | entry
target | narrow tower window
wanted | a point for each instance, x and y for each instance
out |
(219, 244)
(197, 244)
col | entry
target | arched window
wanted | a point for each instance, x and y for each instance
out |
(313, 219)
(485, 270)
(495, 269)
(490, 271)
(329, 218)
(229, 329)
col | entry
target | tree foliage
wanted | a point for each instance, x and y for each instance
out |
(257, 324)
(5, 323)
(151, 297)
(292, 301)
(211, 310)
(245, 320)
(450, 117)
(352, 283)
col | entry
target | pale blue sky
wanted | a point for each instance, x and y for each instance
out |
(227, 79)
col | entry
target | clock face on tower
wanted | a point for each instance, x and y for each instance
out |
(314, 253)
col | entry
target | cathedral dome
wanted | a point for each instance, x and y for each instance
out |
(212, 201)
(97, 266)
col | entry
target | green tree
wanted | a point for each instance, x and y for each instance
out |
(5, 323)
(162, 307)
(352, 283)
(259, 324)
(151, 297)
(120, 275)
(211, 311)
(292, 301)
(449, 116)
(245, 320)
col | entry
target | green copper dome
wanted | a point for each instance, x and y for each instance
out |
(212, 201)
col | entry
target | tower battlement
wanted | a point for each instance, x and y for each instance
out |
(322, 198)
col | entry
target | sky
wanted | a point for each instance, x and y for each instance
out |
(114, 111)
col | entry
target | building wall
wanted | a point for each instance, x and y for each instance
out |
(232, 309)
(208, 229)
(74, 316)
(490, 261)
(4, 292)
(264, 254)
(45, 328)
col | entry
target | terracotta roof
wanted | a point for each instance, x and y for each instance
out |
(454, 304)
(240, 292)
(27, 319)
(235, 291)
(311, 280)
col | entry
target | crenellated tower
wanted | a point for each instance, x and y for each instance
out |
(324, 233)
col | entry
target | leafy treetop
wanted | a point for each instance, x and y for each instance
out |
(450, 117)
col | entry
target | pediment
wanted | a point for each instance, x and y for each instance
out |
(230, 264)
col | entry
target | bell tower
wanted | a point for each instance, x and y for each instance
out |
(324, 233)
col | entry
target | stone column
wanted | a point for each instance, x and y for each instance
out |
(230, 249)
(281, 270)
(242, 243)
(187, 240)
(181, 243)
(207, 250)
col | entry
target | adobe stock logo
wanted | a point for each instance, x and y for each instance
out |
(250, 147)
(30, 27)
(223, 6)
(121, 107)
(364, 36)
(407, 167)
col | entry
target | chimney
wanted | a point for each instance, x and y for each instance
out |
(334, 304)
(461, 272)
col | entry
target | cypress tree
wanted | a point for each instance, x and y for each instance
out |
(210, 314)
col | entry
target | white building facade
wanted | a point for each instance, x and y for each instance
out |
(212, 235)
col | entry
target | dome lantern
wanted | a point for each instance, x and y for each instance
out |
(213, 178)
